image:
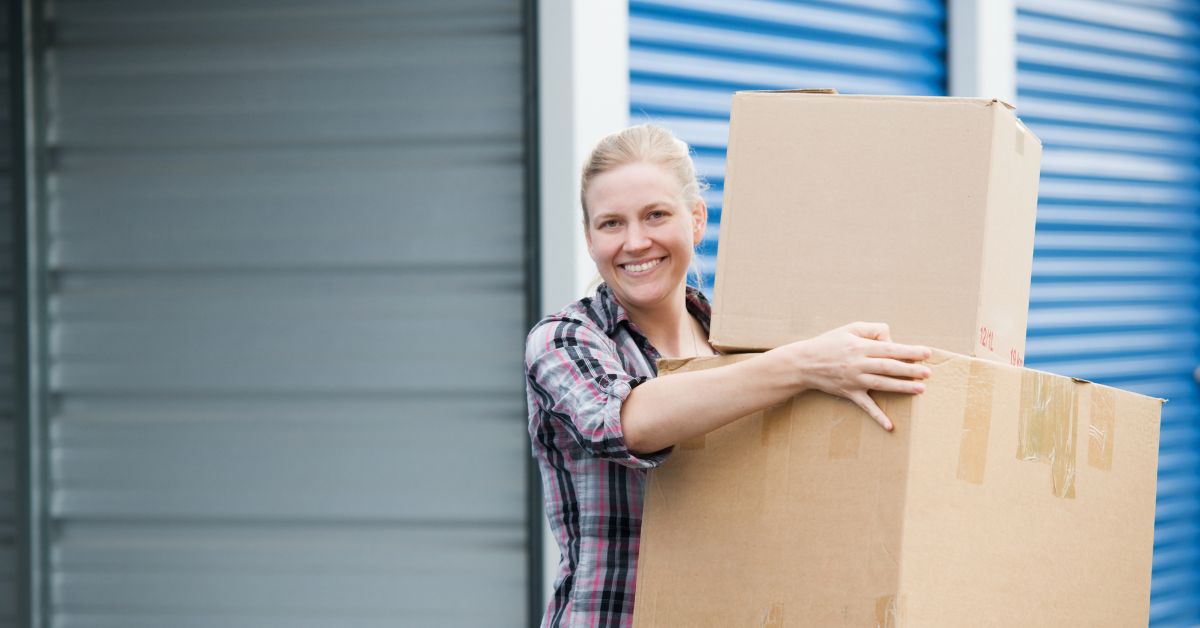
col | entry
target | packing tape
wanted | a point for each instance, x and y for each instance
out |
(775, 422)
(887, 612)
(776, 435)
(773, 617)
(1046, 431)
(977, 423)
(1100, 427)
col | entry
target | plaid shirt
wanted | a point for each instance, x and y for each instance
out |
(580, 365)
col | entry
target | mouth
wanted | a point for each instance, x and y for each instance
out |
(642, 267)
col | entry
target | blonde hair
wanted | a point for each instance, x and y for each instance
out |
(643, 143)
(646, 143)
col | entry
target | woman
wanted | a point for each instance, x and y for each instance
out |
(599, 420)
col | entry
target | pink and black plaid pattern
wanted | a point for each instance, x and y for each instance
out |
(580, 365)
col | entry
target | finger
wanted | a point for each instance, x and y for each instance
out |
(868, 405)
(891, 384)
(896, 368)
(872, 331)
(898, 351)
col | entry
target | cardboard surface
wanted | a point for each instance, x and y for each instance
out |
(1004, 497)
(914, 211)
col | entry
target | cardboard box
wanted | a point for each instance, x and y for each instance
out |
(1004, 497)
(914, 211)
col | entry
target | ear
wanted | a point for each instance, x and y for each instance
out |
(699, 222)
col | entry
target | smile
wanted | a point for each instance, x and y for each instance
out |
(642, 266)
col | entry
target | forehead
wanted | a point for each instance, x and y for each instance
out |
(631, 187)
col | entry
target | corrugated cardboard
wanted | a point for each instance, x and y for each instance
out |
(1004, 497)
(915, 211)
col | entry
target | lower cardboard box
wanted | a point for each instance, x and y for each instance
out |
(1004, 497)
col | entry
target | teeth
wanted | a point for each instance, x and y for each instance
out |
(637, 268)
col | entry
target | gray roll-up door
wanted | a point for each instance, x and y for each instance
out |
(1113, 90)
(287, 290)
(687, 57)
(9, 472)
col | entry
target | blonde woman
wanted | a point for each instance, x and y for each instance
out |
(598, 418)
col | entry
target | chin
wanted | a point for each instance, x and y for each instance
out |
(643, 295)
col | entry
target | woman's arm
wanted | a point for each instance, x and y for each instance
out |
(847, 362)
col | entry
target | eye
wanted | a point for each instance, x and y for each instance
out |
(656, 214)
(610, 223)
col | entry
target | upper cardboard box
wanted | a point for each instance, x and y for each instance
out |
(914, 211)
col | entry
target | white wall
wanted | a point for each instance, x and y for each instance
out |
(584, 95)
(583, 83)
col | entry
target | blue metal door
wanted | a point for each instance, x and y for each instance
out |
(686, 57)
(1113, 90)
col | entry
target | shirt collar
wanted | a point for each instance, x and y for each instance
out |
(607, 311)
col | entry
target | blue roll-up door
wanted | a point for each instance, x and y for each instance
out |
(1113, 90)
(686, 57)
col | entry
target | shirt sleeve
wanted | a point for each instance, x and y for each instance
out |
(577, 378)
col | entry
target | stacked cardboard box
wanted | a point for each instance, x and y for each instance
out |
(1004, 496)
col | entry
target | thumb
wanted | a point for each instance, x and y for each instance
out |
(864, 401)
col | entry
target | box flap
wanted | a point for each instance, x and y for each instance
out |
(817, 90)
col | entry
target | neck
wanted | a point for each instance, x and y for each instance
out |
(670, 327)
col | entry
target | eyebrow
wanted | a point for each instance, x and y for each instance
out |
(645, 207)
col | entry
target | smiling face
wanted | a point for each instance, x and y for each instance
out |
(641, 234)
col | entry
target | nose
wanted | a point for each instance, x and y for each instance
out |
(636, 238)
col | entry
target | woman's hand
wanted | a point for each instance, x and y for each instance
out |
(851, 360)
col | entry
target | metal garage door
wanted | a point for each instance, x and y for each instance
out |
(687, 56)
(286, 266)
(1113, 89)
(10, 174)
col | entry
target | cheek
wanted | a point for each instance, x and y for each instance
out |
(602, 249)
(689, 237)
